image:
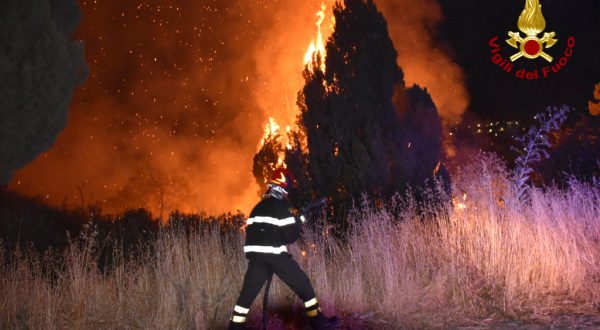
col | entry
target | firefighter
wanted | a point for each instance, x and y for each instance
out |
(271, 226)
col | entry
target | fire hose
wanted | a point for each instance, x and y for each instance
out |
(317, 204)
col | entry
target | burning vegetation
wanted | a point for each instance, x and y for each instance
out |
(314, 59)
(498, 247)
(481, 261)
(186, 88)
(365, 132)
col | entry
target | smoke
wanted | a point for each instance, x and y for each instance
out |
(39, 67)
(412, 27)
(179, 93)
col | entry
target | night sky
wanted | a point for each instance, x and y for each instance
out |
(180, 90)
(469, 25)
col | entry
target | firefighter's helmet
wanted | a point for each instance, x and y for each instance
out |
(283, 178)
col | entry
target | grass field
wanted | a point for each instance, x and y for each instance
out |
(487, 256)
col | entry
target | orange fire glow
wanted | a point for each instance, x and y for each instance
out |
(174, 106)
(460, 204)
(313, 58)
(272, 131)
(594, 104)
(409, 24)
(315, 54)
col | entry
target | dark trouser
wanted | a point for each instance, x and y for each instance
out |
(260, 267)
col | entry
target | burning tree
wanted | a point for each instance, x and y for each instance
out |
(360, 130)
(270, 155)
(297, 161)
(365, 132)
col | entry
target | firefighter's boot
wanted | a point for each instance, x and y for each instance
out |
(318, 321)
(236, 326)
(238, 319)
(321, 322)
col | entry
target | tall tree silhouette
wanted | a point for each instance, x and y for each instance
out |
(39, 67)
(296, 158)
(421, 130)
(365, 132)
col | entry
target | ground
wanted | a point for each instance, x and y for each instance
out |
(366, 322)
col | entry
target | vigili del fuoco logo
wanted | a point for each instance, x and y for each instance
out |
(528, 46)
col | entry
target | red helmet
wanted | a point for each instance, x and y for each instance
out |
(283, 178)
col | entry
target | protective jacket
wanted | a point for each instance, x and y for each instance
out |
(270, 226)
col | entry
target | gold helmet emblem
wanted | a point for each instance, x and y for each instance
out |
(531, 23)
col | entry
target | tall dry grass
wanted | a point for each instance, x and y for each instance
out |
(495, 256)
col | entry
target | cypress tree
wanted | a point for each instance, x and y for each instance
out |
(365, 132)
(350, 121)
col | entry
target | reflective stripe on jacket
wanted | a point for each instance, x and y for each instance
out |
(271, 226)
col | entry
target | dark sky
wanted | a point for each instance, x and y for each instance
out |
(468, 26)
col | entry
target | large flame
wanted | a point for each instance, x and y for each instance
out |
(314, 59)
(272, 132)
(531, 21)
(315, 54)
(154, 99)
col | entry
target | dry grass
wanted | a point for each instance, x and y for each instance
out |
(495, 257)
